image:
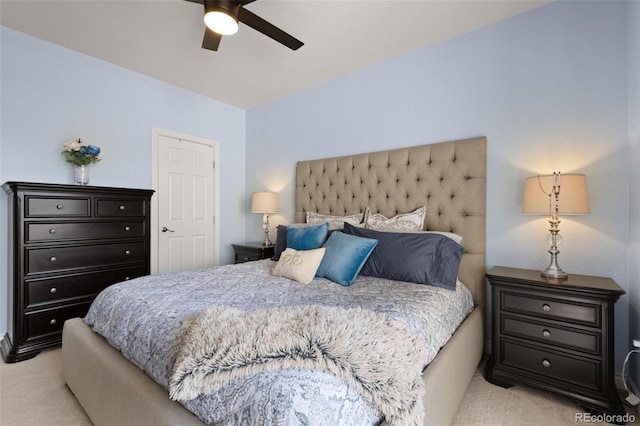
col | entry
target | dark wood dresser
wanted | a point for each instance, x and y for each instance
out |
(555, 335)
(66, 244)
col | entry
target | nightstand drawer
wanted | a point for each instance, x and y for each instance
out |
(547, 307)
(246, 256)
(582, 372)
(554, 335)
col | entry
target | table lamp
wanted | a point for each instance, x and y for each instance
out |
(265, 203)
(554, 195)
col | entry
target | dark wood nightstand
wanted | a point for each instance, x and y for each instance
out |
(246, 252)
(555, 335)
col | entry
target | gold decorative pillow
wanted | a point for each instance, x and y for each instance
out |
(299, 265)
(413, 221)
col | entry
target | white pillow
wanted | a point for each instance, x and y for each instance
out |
(299, 265)
(411, 222)
(335, 222)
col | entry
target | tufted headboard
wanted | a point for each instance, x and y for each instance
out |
(448, 177)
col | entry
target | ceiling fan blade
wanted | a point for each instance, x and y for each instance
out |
(211, 39)
(268, 29)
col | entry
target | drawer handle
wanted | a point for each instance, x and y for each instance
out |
(52, 259)
(52, 231)
(53, 290)
(546, 363)
(127, 228)
(123, 207)
(546, 333)
(127, 252)
(546, 307)
(53, 322)
(60, 207)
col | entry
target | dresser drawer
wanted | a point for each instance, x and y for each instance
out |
(56, 207)
(74, 286)
(83, 230)
(52, 320)
(547, 307)
(554, 335)
(536, 362)
(119, 208)
(74, 257)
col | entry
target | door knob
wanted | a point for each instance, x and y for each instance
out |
(165, 229)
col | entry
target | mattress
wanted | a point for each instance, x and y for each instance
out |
(146, 318)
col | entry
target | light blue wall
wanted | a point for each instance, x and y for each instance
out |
(634, 180)
(549, 90)
(51, 94)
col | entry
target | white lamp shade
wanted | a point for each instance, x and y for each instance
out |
(572, 200)
(264, 202)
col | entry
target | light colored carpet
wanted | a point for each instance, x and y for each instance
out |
(489, 405)
(33, 392)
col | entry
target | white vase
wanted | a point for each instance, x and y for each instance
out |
(81, 175)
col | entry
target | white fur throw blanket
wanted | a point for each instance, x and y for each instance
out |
(375, 355)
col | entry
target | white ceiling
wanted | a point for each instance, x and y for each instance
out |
(162, 38)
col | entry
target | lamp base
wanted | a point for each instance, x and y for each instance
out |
(556, 274)
(554, 271)
(266, 242)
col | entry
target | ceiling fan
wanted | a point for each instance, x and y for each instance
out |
(222, 17)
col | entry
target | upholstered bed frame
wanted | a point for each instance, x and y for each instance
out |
(449, 178)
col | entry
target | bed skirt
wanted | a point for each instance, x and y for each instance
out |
(113, 391)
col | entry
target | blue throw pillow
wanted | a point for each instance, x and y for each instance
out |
(344, 257)
(414, 257)
(307, 238)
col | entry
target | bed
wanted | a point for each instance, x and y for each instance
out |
(448, 178)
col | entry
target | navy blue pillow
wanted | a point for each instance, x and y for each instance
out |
(281, 242)
(309, 238)
(414, 257)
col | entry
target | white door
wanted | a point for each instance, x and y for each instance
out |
(185, 191)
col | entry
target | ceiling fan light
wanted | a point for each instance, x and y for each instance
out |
(221, 22)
